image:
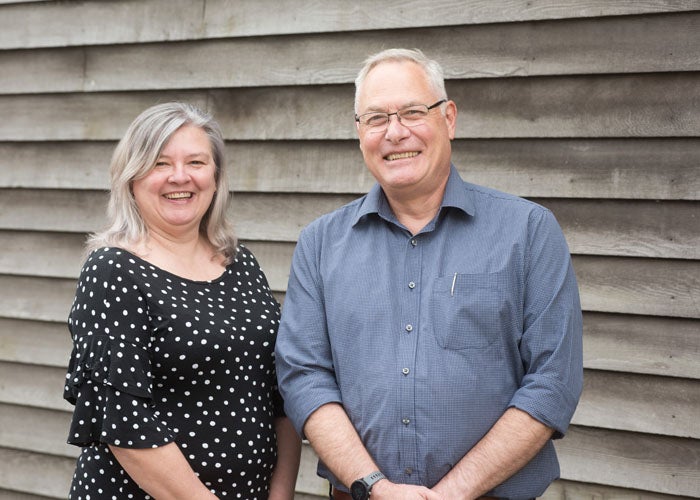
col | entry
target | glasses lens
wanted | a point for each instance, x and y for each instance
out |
(373, 120)
(413, 115)
(410, 116)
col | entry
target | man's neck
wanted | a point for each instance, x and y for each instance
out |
(413, 210)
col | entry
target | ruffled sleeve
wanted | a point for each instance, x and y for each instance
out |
(109, 374)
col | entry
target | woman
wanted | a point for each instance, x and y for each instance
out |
(174, 326)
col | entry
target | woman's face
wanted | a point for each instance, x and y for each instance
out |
(174, 196)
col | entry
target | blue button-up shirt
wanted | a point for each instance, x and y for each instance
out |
(427, 339)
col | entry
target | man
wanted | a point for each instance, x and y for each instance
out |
(430, 344)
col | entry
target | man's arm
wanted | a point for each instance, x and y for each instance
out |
(334, 438)
(511, 443)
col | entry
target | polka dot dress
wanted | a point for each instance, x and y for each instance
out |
(159, 359)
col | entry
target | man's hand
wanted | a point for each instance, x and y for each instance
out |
(386, 490)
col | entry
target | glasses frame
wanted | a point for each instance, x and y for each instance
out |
(396, 113)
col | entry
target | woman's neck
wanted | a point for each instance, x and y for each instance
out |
(192, 258)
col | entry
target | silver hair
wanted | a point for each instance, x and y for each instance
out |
(433, 70)
(135, 156)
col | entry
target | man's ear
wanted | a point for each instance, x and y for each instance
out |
(451, 118)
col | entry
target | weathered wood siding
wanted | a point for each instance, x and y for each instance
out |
(590, 108)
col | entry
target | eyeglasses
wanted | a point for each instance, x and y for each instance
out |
(410, 116)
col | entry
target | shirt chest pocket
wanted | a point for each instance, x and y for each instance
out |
(470, 311)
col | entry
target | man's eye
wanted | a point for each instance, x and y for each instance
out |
(413, 113)
(378, 119)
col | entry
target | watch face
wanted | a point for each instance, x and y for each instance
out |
(359, 491)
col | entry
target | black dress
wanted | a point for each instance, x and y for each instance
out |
(158, 358)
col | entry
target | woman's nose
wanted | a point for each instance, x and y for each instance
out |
(178, 175)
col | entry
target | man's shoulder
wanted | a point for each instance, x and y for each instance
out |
(483, 195)
(342, 218)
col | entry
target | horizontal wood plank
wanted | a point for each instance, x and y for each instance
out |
(186, 19)
(563, 168)
(31, 253)
(60, 468)
(610, 106)
(662, 464)
(667, 347)
(640, 403)
(35, 473)
(642, 344)
(33, 385)
(40, 299)
(60, 255)
(16, 495)
(35, 429)
(639, 286)
(650, 287)
(53, 23)
(612, 400)
(35, 342)
(35, 220)
(255, 216)
(585, 453)
(629, 228)
(43, 431)
(572, 490)
(612, 45)
(605, 106)
(75, 116)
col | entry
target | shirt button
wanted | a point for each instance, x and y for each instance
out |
(409, 328)
(406, 371)
(405, 421)
(414, 242)
(408, 470)
(411, 285)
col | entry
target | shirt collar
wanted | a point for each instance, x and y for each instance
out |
(456, 196)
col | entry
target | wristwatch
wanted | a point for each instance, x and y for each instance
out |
(360, 489)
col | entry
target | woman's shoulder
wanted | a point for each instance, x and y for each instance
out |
(244, 258)
(108, 260)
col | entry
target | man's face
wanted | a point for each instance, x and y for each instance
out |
(406, 161)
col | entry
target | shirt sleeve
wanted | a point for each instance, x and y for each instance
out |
(303, 353)
(109, 373)
(551, 345)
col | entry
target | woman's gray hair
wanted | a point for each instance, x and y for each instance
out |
(135, 156)
(432, 68)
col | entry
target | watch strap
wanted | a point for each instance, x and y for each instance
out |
(372, 478)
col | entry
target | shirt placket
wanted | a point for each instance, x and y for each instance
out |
(410, 293)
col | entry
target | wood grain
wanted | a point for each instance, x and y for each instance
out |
(639, 286)
(185, 19)
(562, 168)
(608, 106)
(640, 403)
(627, 44)
(19, 473)
(642, 344)
(657, 464)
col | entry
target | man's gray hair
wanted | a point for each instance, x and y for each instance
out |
(432, 68)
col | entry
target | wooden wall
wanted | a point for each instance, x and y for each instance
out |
(591, 108)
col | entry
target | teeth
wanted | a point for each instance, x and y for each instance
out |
(177, 196)
(398, 156)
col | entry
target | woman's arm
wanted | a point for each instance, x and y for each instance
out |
(284, 477)
(162, 472)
